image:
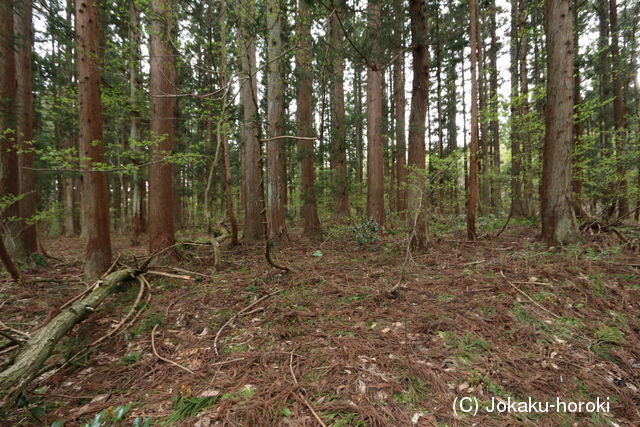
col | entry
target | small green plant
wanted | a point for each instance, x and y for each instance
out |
(467, 347)
(109, 416)
(130, 358)
(366, 232)
(445, 297)
(189, 406)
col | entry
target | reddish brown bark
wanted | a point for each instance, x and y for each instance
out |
(558, 219)
(399, 103)
(304, 117)
(338, 125)
(375, 143)
(138, 222)
(254, 227)
(226, 157)
(417, 125)
(618, 111)
(28, 189)
(162, 87)
(9, 179)
(472, 196)
(95, 197)
(276, 190)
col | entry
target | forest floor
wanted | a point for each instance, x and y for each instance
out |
(504, 317)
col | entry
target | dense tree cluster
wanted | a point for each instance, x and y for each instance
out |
(150, 116)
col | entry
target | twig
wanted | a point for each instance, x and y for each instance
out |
(164, 359)
(173, 276)
(240, 359)
(308, 405)
(295, 380)
(529, 298)
(228, 322)
(504, 227)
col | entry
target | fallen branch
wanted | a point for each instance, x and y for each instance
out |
(164, 359)
(29, 358)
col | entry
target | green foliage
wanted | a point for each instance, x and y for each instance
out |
(366, 232)
(186, 407)
(109, 416)
(130, 358)
(467, 347)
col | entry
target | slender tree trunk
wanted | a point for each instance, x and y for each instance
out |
(138, 220)
(226, 155)
(517, 204)
(252, 170)
(304, 118)
(494, 125)
(358, 115)
(9, 173)
(472, 198)
(162, 81)
(618, 112)
(375, 130)
(484, 182)
(524, 131)
(275, 115)
(28, 185)
(576, 183)
(399, 102)
(558, 219)
(338, 125)
(95, 196)
(417, 117)
(452, 134)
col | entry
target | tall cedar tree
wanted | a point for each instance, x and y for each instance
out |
(95, 196)
(399, 103)
(28, 188)
(417, 125)
(558, 218)
(338, 124)
(254, 227)
(304, 118)
(472, 196)
(375, 133)
(276, 190)
(138, 225)
(162, 84)
(9, 180)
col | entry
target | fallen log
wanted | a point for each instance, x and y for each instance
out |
(29, 358)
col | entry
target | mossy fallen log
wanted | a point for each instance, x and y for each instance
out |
(27, 361)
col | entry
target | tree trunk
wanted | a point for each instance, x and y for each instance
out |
(417, 118)
(71, 185)
(162, 81)
(358, 116)
(275, 115)
(558, 219)
(9, 173)
(138, 221)
(494, 124)
(472, 197)
(618, 112)
(28, 185)
(223, 126)
(375, 143)
(338, 125)
(517, 204)
(524, 131)
(576, 183)
(399, 102)
(254, 227)
(304, 118)
(484, 182)
(95, 196)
